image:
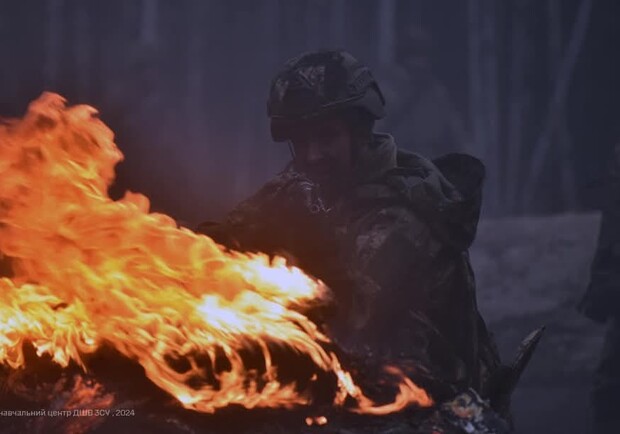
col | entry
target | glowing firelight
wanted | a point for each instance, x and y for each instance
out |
(319, 421)
(88, 270)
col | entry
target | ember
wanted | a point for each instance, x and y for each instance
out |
(319, 420)
(88, 271)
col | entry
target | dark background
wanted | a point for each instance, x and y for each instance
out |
(534, 82)
(183, 84)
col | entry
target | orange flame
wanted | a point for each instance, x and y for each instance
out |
(89, 270)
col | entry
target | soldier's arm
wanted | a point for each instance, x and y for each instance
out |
(266, 221)
(246, 226)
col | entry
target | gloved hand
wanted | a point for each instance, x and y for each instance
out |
(299, 197)
(299, 209)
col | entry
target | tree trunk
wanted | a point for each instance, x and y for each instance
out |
(242, 136)
(484, 104)
(516, 105)
(475, 103)
(491, 105)
(313, 23)
(82, 49)
(337, 22)
(264, 156)
(386, 31)
(149, 19)
(560, 137)
(558, 100)
(53, 42)
(194, 80)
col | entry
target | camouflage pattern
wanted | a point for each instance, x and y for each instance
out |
(465, 413)
(316, 83)
(394, 252)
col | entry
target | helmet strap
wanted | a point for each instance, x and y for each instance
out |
(291, 148)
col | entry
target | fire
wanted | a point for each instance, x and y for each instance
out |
(89, 271)
(319, 421)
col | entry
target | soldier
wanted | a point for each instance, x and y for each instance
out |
(602, 304)
(387, 230)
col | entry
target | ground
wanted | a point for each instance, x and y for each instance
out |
(532, 271)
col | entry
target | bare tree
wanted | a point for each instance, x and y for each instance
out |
(144, 71)
(484, 102)
(491, 101)
(53, 42)
(557, 102)
(195, 71)
(517, 104)
(475, 82)
(386, 34)
(264, 158)
(313, 21)
(82, 48)
(560, 136)
(337, 22)
(245, 121)
(148, 22)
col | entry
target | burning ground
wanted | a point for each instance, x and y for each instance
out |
(98, 287)
(146, 307)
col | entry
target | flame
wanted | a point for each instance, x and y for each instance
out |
(318, 421)
(89, 271)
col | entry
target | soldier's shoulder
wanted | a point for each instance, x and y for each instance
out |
(443, 194)
(396, 222)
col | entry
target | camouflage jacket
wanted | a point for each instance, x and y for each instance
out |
(394, 252)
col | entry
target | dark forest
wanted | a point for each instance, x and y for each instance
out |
(530, 87)
(183, 84)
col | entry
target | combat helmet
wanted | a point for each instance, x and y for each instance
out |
(318, 83)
